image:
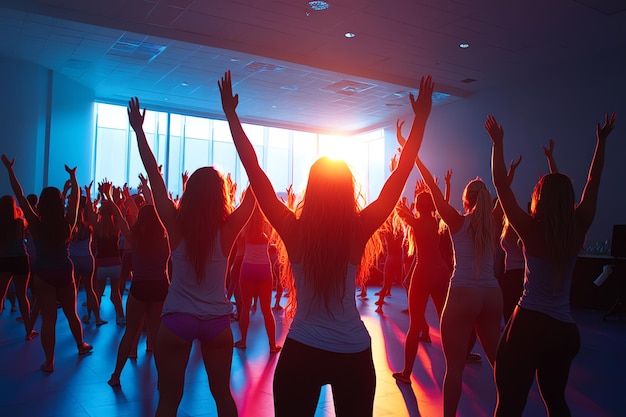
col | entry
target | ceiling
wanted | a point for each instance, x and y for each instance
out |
(292, 66)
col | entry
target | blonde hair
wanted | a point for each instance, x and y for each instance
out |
(477, 204)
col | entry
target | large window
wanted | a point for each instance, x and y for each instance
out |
(184, 143)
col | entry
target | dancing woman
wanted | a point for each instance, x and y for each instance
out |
(326, 242)
(541, 339)
(201, 231)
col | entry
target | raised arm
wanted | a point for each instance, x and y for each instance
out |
(29, 213)
(120, 219)
(586, 209)
(450, 216)
(447, 179)
(145, 190)
(549, 153)
(236, 221)
(517, 217)
(129, 205)
(73, 200)
(89, 214)
(272, 207)
(377, 212)
(164, 206)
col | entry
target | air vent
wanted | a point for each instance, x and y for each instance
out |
(348, 87)
(136, 49)
(256, 66)
(468, 80)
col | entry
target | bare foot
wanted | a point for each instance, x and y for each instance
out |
(114, 381)
(400, 377)
(240, 344)
(32, 334)
(47, 367)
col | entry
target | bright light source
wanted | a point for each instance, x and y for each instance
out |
(318, 5)
(349, 35)
(464, 45)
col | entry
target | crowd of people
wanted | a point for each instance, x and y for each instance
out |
(496, 272)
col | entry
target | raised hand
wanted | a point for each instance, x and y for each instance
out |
(514, 164)
(125, 192)
(135, 115)
(399, 137)
(512, 167)
(424, 101)
(549, 150)
(71, 171)
(448, 177)
(229, 102)
(602, 132)
(88, 189)
(8, 162)
(106, 188)
(394, 163)
(496, 133)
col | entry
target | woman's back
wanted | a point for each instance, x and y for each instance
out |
(202, 298)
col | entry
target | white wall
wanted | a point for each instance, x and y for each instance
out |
(47, 121)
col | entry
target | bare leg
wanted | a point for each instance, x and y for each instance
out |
(489, 321)
(21, 286)
(244, 315)
(265, 300)
(457, 322)
(217, 355)
(116, 299)
(67, 297)
(171, 364)
(46, 299)
(135, 311)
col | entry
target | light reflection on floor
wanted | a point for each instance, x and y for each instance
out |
(78, 386)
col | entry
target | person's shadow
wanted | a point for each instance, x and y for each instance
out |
(409, 399)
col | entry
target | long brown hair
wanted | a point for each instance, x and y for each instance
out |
(327, 219)
(553, 206)
(53, 228)
(147, 233)
(203, 208)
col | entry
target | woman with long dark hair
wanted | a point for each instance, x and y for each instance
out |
(14, 265)
(53, 273)
(326, 242)
(201, 231)
(151, 253)
(541, 339)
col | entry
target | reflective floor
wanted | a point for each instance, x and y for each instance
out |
(78, 387)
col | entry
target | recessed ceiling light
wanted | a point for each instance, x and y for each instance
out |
(185, 84)
(166, 99)
(234, 60)
(318, 5)
(349, 35)
(464, 45)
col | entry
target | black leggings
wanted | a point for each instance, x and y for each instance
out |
(532, 344)
(302, 371)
